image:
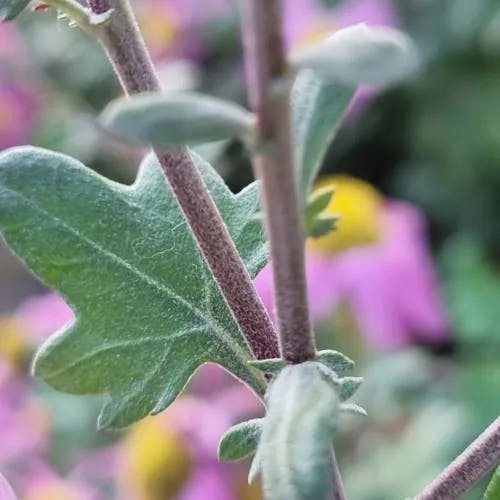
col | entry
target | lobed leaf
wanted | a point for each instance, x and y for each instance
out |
(271, 366)
(9, 9)
(175, 119)
(148, 312)
(240, 441)
(293, 455)
(317, 109)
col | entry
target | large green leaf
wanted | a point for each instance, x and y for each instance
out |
(9, 9)
(293, 455)
(318, 108)
(148, 313)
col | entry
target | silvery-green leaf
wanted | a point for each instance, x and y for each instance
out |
(273, 365)
(335, 360)
(346, 386)
(240, 441)
(177, 118)
(9, 9)
(493, 490)
(294, 449)
(148, 313)
(353, 408)
(360, 55)
(317, 109)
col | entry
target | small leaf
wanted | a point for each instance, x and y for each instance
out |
(9, 9)
(294, 451)
(493, 490)
(349, 386)
(316, 223)
(273, 365)
(353, 408)
(335, 360)
(148, 313)
(176, 118)
(346, 386)
(360, 55)
(317, 109)
(240, 441)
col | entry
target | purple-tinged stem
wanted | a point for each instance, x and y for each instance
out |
(269, 92)
(468, 468)
(126, 50)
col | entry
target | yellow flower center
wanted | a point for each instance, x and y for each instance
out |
(156, 460)
(160, 28)
(13, 345)
(359, 206)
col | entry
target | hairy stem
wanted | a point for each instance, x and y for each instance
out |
(468, 468)
(269, 92)
(125, 48)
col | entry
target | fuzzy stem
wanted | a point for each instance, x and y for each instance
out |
(468, 468)
(125, 48)
(269, 92)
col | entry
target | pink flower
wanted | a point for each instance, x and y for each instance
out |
(6, 492)
(24, 422)
(386, 276)
(42, 315)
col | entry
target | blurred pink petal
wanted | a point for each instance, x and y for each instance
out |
(43, 315)
(209, 481)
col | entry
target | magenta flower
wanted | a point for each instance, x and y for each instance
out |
(174, 455)
(377, 263)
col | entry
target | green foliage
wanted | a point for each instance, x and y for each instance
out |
(315, 221)
(273, 365)
(148, 312)
(176, 119)
(493, 490)
(9, 9)
(335, 360)
(359, 55)
(293, 455)
(473, 291)
(241, 440)
(317, 109)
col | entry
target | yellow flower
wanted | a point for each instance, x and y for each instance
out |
(13, 344)
(156, 460)
(359, 206)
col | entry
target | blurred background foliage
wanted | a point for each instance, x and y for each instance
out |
(434, 141)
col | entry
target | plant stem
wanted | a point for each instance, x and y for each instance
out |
(468, 468)
(125, 48)
(269, 92)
